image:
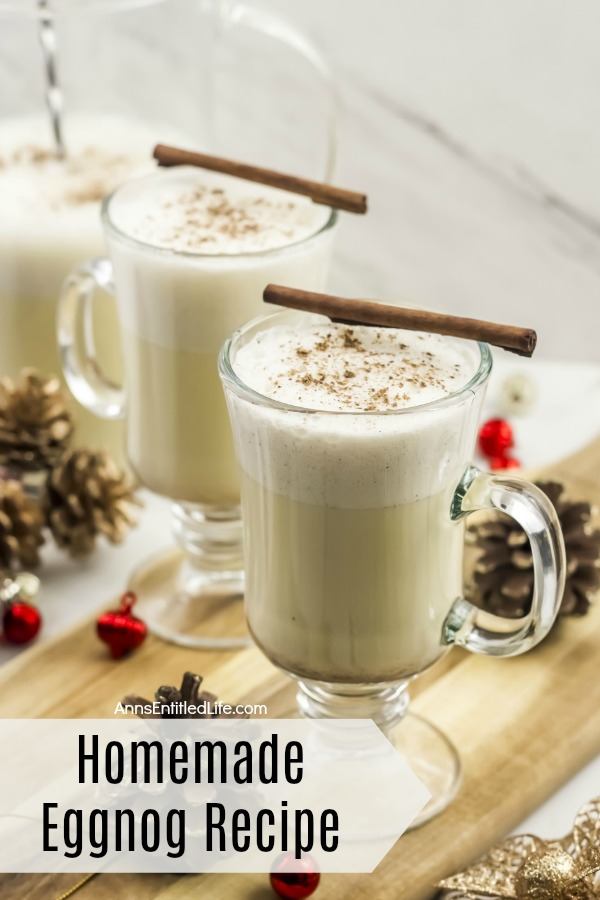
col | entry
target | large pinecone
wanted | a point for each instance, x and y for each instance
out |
(87, 495)
(35, 423)
(503, 577)
(21, 528)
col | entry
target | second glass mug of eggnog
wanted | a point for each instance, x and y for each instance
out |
(189, 255)
(355, 445)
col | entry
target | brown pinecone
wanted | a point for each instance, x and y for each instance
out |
(170, 697)
(503, 577)
(21, 528)
(35, 424)
(87, 495)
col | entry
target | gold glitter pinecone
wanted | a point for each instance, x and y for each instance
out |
(503, 576)
(87, 495)
(21, 528)
(35, 424)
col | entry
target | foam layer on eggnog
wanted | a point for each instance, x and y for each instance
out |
(193, 211)
(353, 369)
(193, 300)
(372, 439)
(49, 208)
(39, 189)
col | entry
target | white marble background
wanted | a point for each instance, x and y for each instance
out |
(474, 125)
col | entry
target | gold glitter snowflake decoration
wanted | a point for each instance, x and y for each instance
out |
(527, 868)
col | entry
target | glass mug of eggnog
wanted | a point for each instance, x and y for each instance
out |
(189, 254)
(355, 445)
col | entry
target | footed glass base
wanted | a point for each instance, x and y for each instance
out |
(430, 754)
(191, 596)
(201, 610)
(434, 760)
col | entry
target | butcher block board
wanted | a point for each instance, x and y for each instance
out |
(523, 726)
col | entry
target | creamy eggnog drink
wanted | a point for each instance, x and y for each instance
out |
(353, 561)
(190, 253)
(355, 445)
(49, 219)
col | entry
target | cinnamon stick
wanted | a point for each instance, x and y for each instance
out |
(368, 312)
(326, 194)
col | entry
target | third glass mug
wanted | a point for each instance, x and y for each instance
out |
(175, 309)
(354, 550)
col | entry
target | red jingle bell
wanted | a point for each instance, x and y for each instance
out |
(21, 622)
(294, 879)
(120, 629)
(495, 438)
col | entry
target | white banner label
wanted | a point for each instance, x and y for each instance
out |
(188, 795)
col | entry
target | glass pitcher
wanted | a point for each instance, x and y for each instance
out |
(131, 73)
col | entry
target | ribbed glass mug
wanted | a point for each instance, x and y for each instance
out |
(354, 533)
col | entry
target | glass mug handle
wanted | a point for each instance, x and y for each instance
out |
(483, 632)
(75, 331)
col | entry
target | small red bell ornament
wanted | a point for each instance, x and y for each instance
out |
(120, 629)
(21, 621)
(496, 438)
(294, 879)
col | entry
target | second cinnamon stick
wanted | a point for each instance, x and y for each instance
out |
(326, 194)
(368, 312)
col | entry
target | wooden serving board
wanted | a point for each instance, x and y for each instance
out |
(523, 726)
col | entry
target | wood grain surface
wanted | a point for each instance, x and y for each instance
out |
(523, 727)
